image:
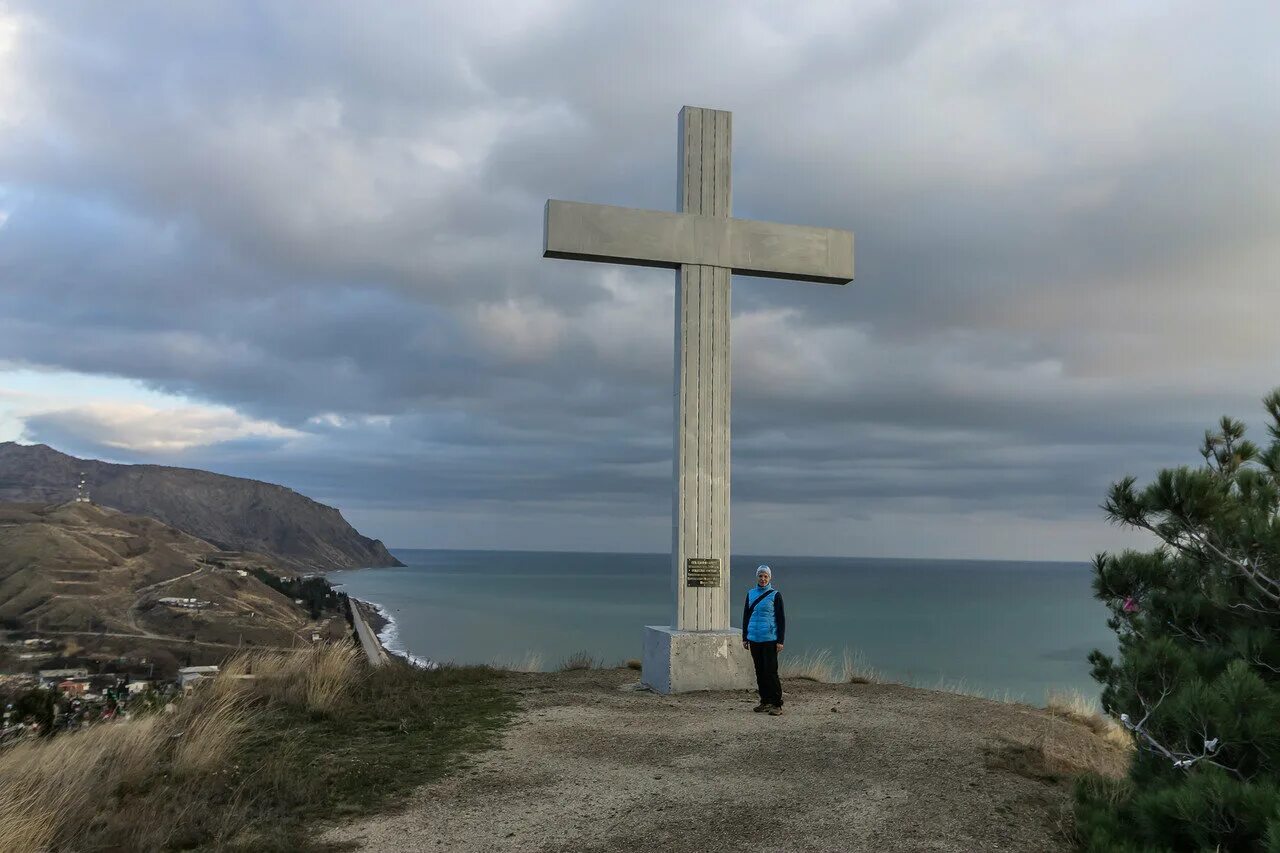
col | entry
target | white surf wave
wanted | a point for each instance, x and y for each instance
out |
(389, 636)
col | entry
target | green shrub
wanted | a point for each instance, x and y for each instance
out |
(1197, 679)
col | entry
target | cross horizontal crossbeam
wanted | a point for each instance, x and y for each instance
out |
(654, 238)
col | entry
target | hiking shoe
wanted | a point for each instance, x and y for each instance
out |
(775, 711)
(763, 706)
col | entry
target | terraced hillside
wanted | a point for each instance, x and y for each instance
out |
(77, 569)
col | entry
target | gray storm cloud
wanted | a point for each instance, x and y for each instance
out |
(325, 226)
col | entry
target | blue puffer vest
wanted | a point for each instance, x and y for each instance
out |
(763, 627)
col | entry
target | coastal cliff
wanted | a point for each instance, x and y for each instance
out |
(233, 513)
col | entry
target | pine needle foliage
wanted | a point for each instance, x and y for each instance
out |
(1197, 680)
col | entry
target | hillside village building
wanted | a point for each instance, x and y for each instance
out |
(191, 674)
(187, 603)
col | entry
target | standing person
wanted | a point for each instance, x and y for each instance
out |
(764, 626)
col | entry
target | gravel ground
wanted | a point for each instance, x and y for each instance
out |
(593, 764)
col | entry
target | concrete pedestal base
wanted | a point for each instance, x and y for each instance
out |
(681, 661)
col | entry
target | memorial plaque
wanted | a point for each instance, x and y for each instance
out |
(702, 571)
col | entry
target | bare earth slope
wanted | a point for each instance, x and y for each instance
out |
(231, 512)
(86, 570)
(593, 766)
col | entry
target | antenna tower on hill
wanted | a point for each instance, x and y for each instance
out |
(82, 491)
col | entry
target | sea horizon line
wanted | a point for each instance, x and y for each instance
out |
(750, 554)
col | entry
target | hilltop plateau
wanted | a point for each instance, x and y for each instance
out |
(592, 763)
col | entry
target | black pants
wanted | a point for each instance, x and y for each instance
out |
(765, 656)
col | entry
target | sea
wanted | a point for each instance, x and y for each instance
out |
(1010, 630)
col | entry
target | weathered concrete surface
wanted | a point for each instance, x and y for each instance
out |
(683, 661)
(577, 231)
(705, 245)
(700, 462)
(590, 767)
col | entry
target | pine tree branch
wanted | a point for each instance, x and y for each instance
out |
(1257, 660)
(1244, 567)
(1183, 760)
(1194, 635)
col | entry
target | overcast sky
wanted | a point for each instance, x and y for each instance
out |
(301, 242)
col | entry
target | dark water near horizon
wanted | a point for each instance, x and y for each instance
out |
(1002, 628)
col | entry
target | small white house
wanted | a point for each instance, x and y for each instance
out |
(53, 676)
(191, 674)
(188, 603)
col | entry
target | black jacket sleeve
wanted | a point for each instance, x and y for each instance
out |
(781, 616)
(746, 614)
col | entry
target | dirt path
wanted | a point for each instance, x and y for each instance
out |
(177, 641)
(131, 615)
(591, 765)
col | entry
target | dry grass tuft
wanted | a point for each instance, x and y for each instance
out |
(1065, 753)
(634, 663)
(1076, 740)
(532, 662)
(854, 669)
(211, 734)
(331, 676)
(317, 677)
(1072, 756)
(578, 660)
(820, 666)
(1075, 706)
(51, 786)
(53, 789)
(28, 823)
(811, 666)
(136, 747)
(960, 687)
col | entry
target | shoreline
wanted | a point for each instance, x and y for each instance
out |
(388, 634)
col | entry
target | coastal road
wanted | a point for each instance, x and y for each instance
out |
(368, 640)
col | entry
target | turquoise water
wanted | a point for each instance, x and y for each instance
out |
(1002, 628)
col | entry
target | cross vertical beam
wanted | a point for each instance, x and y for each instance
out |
(705, 245)
(700, 505)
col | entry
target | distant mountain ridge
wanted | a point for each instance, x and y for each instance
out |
(233, 513)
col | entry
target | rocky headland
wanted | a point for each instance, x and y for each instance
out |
(231, 513)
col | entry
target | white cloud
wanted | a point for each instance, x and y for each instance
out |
(333, 420)
(147, 429)
(117, 413)
(10, 88)
(632, 326)
(523, 330)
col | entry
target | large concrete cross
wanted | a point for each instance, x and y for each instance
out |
(705, 245)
